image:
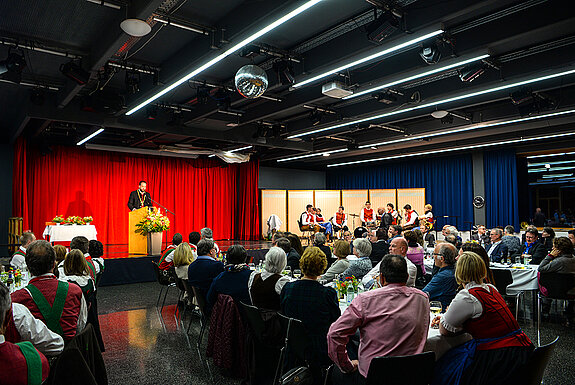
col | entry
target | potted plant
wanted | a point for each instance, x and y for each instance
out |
(88, 220)
(153, 226)
(58, 219)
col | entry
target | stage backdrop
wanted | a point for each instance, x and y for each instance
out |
(76, 181)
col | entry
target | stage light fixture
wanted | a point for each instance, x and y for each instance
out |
(378, 54)
(75, 72)
(430, 53)
(471, 72)
(438, 102)
(385, 97)
(382, 27)
(11, 68)
(226, 53)
(89, 137)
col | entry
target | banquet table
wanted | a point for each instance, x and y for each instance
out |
(65, 233)
(524, 277)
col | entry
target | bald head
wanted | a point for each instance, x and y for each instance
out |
(398, 246)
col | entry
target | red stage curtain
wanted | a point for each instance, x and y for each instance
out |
(75, 181)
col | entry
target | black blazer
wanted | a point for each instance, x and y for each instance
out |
(538, 252)
(499, 253)
(134, 201)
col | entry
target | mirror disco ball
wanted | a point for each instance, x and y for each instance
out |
(251, 81)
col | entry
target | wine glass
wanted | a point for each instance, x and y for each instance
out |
(287, 270)
(297, 274)
(435, 307)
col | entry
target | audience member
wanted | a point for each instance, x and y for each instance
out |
(183, 257)
(361, 266)
(75, 270)
(21, 363)
(482, 236)
(205, 268)
(341, 250)
(292, 255)
(379, 246)
(295, 243)
(265, 287)
(319, 241)
(95, 260)
(511, 241)
(69, 316)
(193, 239)
(497, 251)
(532, 247)
(571, 235)
(60, 252)
(419, 236)
(18, 260)
(479, 250)
(442, 286)
(398, 246)
(233, 281)
(547, 237)
(379, 315)
(428, 237)
(393, 232)
(415, 253)
(315, 305)
(167, 257)
(499, 348)
(207, 233)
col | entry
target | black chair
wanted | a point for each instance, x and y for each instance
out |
(532, 373)
(201, 299)
(165, 280)
(309, 231)
(558, 286)
(503, 278)
(418, 369)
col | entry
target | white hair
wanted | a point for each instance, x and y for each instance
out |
(206, 232)
(276, 260)
(319, 239)
(363, 247)
(453, 231)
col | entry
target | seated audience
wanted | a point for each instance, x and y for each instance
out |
(379, 245)
(183, 257)
(319, 241)
(167, 257)
(560, 260)
(341, 250)
(361, 266)
(75, 270)
(314, 304)
(44, 290)
(265, 287)
(205, 268)
(95, 260)
(415, 253)
(428, 237)
(295, 243)
(61, 252)
(392, 321)
(442, 286)
(18, 260)
(233, 281)
(393, 232)
(497, 251)
(547, 237)
(479, 250)
(207, 233)
(532, 247)
(419, 236)
(292, 255)
(348, 237)
(571, 235)
(511, 241)
(193, 239)
(398, 246)
(499, 349)
(20, 363)
(482, 236)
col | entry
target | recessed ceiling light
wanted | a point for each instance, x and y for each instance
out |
(135, 27)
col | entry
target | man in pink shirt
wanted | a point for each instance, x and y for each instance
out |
(392, 321)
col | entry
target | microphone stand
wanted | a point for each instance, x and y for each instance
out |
(159, 204)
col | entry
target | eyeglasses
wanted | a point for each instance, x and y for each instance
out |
(441, 255)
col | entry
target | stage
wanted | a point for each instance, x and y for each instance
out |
(122, 267)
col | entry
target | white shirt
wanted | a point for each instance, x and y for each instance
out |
(334, 220)
(33, 330)
(373, 273)
(463, 307)
(492, 248)
(305, 221)
(265, 275)
(362, 215)
(97, 266)
(19, 261)
(412, 218)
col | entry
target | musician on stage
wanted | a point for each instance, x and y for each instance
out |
(427, 216)
(367, 215)
(308, 219)
(411, 218)
(323, 224)
(339, 220)
(140, 197)
(391, 210)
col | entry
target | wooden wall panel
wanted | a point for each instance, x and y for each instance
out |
(328, 201)
(381, 197)
(353, 201)
(297, 200)
(414, 196)
(273, 202)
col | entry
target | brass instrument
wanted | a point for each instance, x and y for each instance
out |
(423, 221)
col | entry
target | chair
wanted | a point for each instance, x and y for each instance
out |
(558, 286)
(165, 280)
(532, 373)
(201, 299)
(418, 368)
(308, 231)
(503, 278)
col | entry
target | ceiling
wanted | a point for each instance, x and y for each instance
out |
(503, 106)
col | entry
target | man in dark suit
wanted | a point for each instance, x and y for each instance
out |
(379, 246)
(497, 251)
(140, 197)
(533, 247)
(482, 236)
(205, 268)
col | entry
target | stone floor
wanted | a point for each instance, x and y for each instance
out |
(143, 347)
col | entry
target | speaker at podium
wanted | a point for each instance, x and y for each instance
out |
(137, 243)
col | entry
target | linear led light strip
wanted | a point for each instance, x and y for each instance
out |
(240, 149)
(369, 58)
(435, 103)
(87, 138)
(550, 163)
(310, 155)
(470, 128)
(453, 149)
(532, 170)
(417, 76)
(550, 176)
(549, 155)
(227, 53)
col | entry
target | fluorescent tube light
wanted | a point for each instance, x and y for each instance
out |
(227, 53)
(417, 76)
(310, 155)
(551, 176)
(452, 149)
(369, 58)
(550, 155)
(533, 170)
(469, 128)
(550, 163)
(438, 102)
(87, 138)
(240, 149)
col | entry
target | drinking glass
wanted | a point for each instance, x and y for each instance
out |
(526, 259)
(297, 274)
(287, 270)
(435, 307)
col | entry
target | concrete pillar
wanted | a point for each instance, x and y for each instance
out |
(479, 216)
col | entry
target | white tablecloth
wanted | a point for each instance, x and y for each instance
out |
(524, 277)
(65, 233)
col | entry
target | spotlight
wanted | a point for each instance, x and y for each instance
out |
(285, 72)
(135, 27)
(430, 53)
(315, 117)
(471, 72)
(524, 100)
(12, 67)
(385, 97)
(75, 72)
(382, 27)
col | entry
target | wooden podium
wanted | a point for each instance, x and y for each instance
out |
(137, 243)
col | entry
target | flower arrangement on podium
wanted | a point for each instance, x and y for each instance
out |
(153, 223)
(58, 219)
